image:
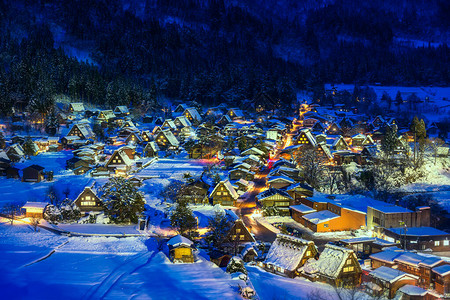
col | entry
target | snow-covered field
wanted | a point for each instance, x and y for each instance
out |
(100, 267)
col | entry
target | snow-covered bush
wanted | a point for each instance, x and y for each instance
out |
(235, 265)
(52, 214)
(69, 211)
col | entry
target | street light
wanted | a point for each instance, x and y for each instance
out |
(404, 239)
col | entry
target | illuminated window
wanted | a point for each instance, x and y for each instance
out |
(325, 225)
(446, 243)
(349, 261)
(349, 269)
(87, 203)
(241, 237)
(436, 243)
(238, 230)
(308, 253)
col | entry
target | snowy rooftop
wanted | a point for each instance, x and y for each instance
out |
(387, 256)
(287, 251)
(330, 261)
(418, 231)
(442, 270)
(391, 209)
(179, 240)
(35, 205)
(388, 274)
(412, 290)
(365, 239)
(302, 208)
(321, 216)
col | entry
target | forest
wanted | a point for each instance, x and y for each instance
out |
(213, 51)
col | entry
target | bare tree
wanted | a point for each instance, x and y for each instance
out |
(434, 144)
(11, 211)
(312, 165)
(34, 222)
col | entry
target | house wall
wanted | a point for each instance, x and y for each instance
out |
(442, 284)
(88, 196)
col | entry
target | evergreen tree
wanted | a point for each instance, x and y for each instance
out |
(123, 202)
(219, 226)
(390, 141)
(183, 219)
(29, 147)
(51, 123)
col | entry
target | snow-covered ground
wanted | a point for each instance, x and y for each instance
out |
(100, 267)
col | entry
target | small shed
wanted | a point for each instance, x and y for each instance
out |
(181, 249)
(35, 209)
(33, 173)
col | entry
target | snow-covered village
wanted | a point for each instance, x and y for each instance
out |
(167, 175)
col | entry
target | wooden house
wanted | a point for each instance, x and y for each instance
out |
(324, 152)
(12, 172)
(33, 173)
(180, 108)
(279, 182)
(202, 151)
(181, 250)
(390, 280)
(339, 144)
(306, 138)
(192, 115)
(195, 192)
(275, 198)
(181, 122)
(287, 254)
(224, 194)
(388, 216)
(224, 120)
(235, 114)
(417, 238)
(15, 153)
(442, 279)
(119, 162)
(146, 136)
(249, 253)
(76, 107)
(169, 124)
(82, 130)
(34, 209)
(76, 162)
(318, 127)
(166, 140)
(151, 149)
(236, 237)
(88, 201)
(299, 191)
(121, 111)
(134, 138)
(334, 129)
(337, 266)
(239, 173)
(105, 116)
